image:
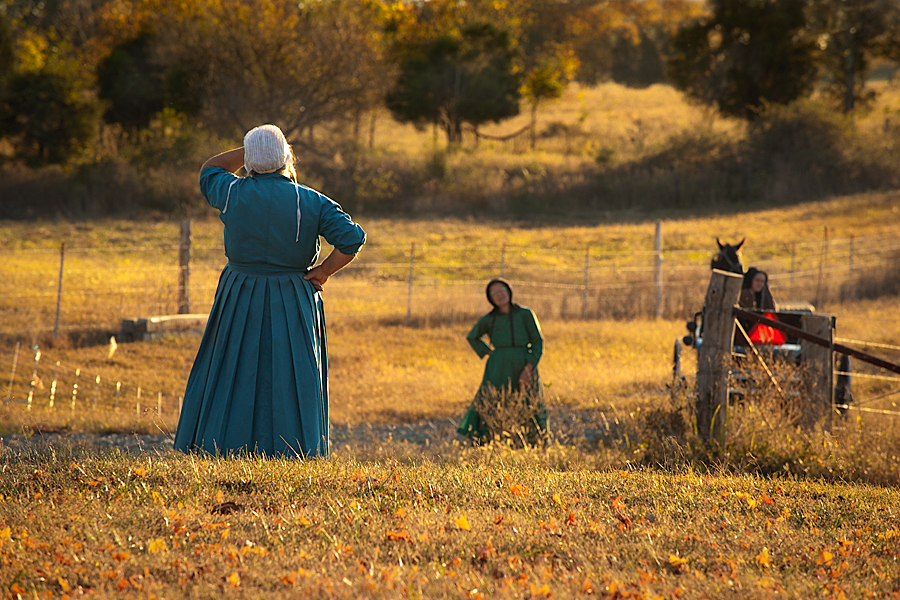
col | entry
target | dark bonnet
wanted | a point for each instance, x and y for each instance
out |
(487, 290)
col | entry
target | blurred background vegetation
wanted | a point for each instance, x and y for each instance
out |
(513, 107)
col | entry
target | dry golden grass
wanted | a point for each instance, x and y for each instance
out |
(639, 513)
(482, 523)
(609, 115)
(630, 122)
(108, 278)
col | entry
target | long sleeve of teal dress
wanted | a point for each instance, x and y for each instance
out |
(515, 340)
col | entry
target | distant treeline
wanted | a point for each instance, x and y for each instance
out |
(88, 81)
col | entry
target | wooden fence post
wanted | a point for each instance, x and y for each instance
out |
(714, 353)
(658, 275)
(584, 288)
(184, 273)
(62, 257)
(412, 264)
(819, 373)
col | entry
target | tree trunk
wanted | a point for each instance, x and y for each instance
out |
(850, 75)
(534, 107)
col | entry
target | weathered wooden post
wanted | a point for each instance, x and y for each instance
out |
(184, 273)
(657, 269)
(584, 287)
(62, 257)
(714, 353)
(819, 363)
(412, 264)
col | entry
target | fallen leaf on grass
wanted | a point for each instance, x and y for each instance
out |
(763, 559)
(587, 587)
(625, 521)
(157, 546)
(485, 552)
(226, 508)
(398, 536)
(462, 523)
(824, 558)
(234, 580)
(676, 561)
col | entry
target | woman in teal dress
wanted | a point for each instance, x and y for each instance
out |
(515, 349)
(259, 383)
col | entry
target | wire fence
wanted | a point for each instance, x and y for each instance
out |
(39, 381)
(90, 290)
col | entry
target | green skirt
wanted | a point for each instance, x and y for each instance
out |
(501, 406)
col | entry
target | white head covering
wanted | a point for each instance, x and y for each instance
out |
(265, 149)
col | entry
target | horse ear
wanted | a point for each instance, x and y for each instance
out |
(720, 244)
(738, 247)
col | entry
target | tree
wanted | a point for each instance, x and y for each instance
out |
(131, 83)
(48, 118)
(275, 61)
(747, 53)
(7, 53)
(849, 34)
(464, 75)
(547, 81)
(48, 109)
(623, 40)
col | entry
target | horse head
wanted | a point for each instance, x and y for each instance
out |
(728, 258)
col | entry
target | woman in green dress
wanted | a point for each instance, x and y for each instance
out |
(510, 397)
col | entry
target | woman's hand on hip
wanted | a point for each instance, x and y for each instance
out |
(336, 261)
(525, 375)
(317, 276)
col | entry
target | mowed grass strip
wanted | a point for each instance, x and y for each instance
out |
(482, 523)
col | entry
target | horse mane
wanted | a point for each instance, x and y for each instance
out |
(728, 258)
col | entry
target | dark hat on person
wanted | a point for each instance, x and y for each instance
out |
(487, 290)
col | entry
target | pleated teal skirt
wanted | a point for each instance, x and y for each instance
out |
(259, 384)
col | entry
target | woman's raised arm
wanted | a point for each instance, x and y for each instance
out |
(231, 160)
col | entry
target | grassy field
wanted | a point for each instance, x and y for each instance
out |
(116, 269)
(481, 523)
(643, 511)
